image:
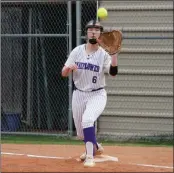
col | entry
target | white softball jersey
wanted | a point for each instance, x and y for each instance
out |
(91, 68)
(87, 105)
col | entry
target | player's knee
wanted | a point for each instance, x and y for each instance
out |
(87, 124)
(80, 137)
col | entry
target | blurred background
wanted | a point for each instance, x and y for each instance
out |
(36, 39)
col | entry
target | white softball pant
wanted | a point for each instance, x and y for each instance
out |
(86, 108)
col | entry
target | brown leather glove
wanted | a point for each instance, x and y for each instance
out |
(111, 41)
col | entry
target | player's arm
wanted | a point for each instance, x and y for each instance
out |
(111, 64)
(114, 65)
(69, 64)
(68, 69)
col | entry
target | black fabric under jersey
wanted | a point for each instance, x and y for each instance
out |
(113, 70)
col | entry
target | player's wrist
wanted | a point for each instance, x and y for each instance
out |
(114, 54)
(114, 60)
(114, 65)
(66, 71)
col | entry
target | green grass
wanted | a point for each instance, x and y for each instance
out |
(21, 139)
(30, 139)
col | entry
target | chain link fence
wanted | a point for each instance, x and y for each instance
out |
(35, 43)
(37, 36)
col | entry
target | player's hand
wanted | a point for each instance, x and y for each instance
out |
(73, 67)
(68, 69)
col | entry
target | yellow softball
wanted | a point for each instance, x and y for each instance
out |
(102, 13)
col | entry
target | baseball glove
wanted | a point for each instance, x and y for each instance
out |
(111, 41)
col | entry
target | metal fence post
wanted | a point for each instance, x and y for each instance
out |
(29, 80)
(78, 23)
(96, 10)
(70, 127)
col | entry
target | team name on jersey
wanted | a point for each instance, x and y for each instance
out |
(88, 66)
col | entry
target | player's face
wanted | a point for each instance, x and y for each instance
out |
(93, 33)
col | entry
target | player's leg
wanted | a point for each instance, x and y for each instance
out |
(98, 150)
(95, 106)
(78, 108)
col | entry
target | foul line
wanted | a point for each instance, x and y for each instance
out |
(16, 154)
(102, 158)
(154, 166)
(30, 155)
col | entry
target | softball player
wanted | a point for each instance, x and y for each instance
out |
(89, 63)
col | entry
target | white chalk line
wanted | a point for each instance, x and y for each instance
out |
(16, 154)
(154, 166)
(30, 155)
(48, 157)
(102, 159)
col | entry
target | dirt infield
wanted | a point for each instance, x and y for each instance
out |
(63, 158)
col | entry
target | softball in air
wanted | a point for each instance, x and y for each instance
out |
(102, 13)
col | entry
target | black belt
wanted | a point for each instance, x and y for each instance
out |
(75, 88)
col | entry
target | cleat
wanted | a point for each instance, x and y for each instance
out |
(89, 162)
(98, 152)
(83, 156)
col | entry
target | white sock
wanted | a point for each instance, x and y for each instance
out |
(89, 149)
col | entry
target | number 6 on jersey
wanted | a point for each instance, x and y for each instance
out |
(94, 79)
